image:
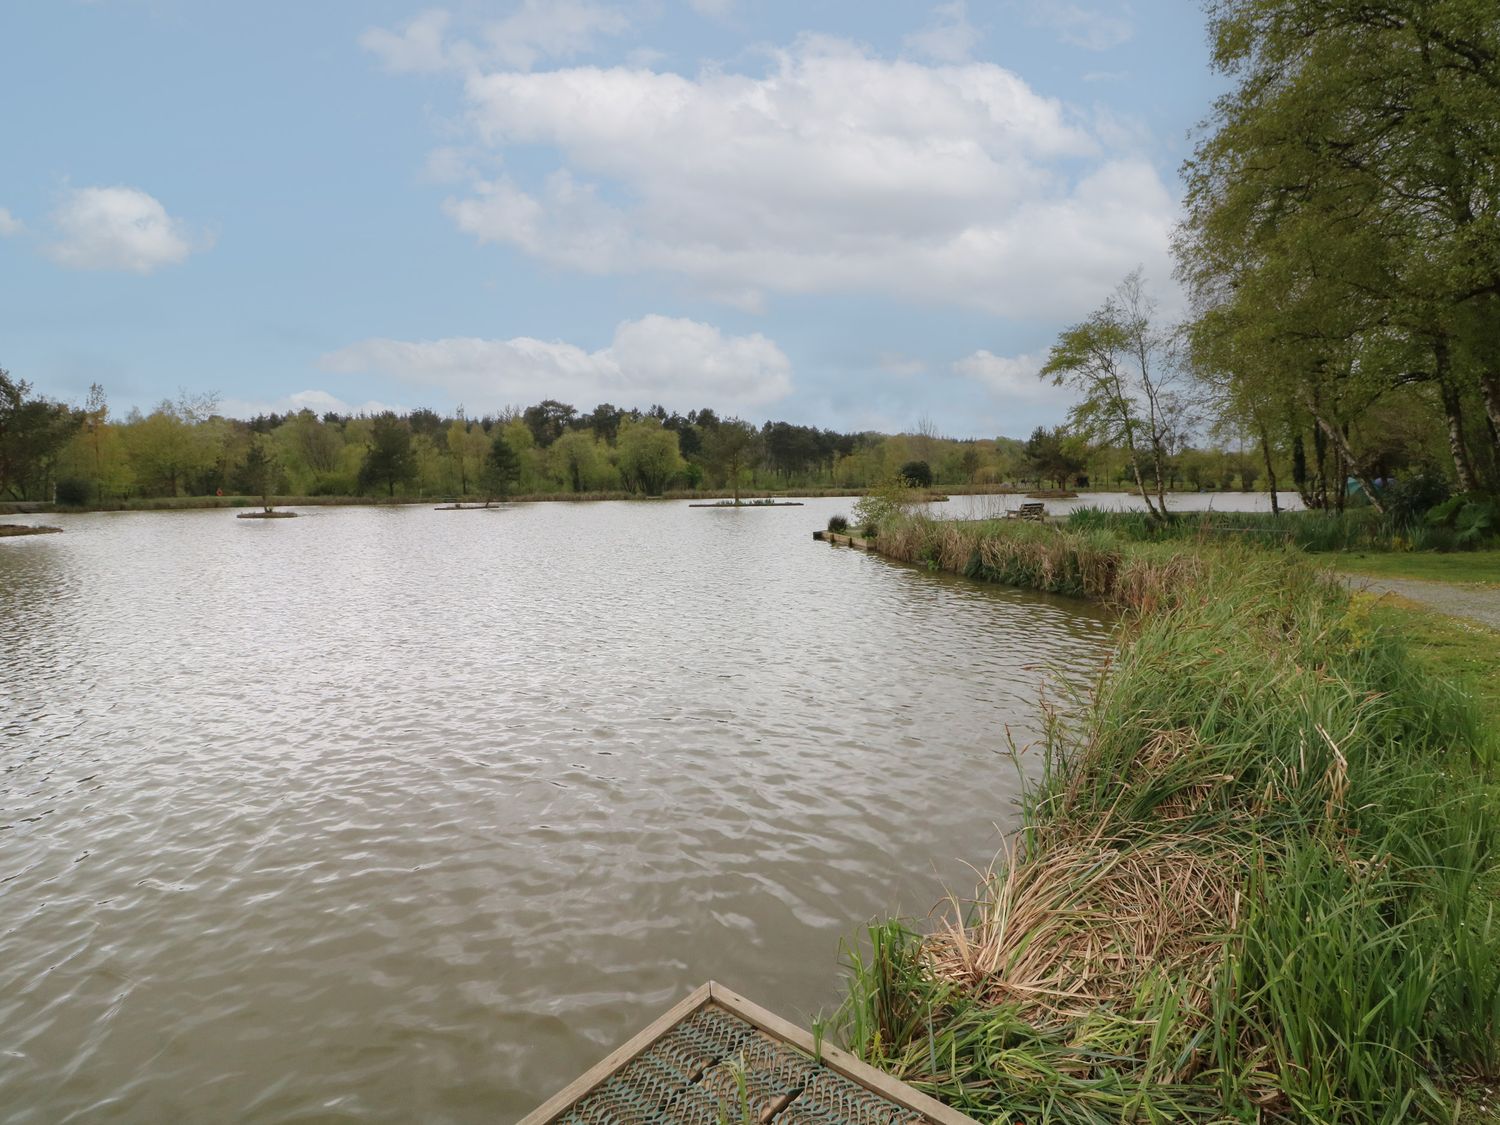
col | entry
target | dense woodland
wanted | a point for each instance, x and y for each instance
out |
(83, 455)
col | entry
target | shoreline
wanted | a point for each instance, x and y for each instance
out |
(1234, 891)
(190, 503)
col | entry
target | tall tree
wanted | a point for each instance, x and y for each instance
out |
(502, 468)
(1120, 360)
(647, 456)
(731, 445)
(388, 458)
(33, 432)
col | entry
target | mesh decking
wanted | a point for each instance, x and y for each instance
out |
(715, 1067)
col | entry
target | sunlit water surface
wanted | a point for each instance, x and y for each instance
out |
(397, 814)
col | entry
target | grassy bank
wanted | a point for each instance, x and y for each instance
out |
(1357, 530)
(1249, 886)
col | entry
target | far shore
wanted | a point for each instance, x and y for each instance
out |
(174, 503)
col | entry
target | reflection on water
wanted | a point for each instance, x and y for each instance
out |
(394, 814)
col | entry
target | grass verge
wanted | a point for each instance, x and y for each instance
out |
(1251, 884)
(1463, 567)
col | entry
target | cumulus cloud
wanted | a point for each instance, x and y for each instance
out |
(834, 171)
(1014, 379)
(117, 228)
(9, 224)
(534, 30)
(679, 363)
(950, 37)
(1093, 29)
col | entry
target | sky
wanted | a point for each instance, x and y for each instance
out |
(846, 214)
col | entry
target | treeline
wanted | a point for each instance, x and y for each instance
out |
(1342, 242)
(84, 455)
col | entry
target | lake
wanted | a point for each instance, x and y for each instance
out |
(385, 814)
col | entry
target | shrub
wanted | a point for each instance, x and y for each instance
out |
(887, 502)
(1411, 495)
(917, 473)
(838, 524)
(73, 492)
(1473, 517)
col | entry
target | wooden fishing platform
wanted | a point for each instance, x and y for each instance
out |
(718, 1059)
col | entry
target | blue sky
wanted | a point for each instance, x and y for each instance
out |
(852, 215)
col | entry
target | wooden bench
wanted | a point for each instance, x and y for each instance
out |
(1033, 511)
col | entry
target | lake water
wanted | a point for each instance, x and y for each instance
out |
(391, 814)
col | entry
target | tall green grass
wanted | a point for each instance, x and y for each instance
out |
(1245, 887)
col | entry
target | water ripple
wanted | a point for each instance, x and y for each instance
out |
(392, 814)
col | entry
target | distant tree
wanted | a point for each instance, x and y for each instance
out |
(33, 432)
(388, 459)
(731, 445)
(919, 473)
(424, 421)
(547, 420)
(1120, 361)
(502, 468)
(647, 456)
(576, 459)
(605, 422)
(259, 470)
(968, 463)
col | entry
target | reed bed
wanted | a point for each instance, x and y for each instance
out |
(1250, 884)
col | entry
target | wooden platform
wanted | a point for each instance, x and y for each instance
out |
(718, 1059)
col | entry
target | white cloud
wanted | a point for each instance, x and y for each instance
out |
(118, 228)
(418, 47)
(950, 37)
(535, 30)
(679, 363)
(1090, 28)
(319, 402)
(835, 171)
(893, 363)
(1014, 378)
(9, 224)
(714, 9)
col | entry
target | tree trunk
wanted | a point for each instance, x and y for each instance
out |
(1489, 389)
(1265, 449)
(1342, 445)
(1453, 411)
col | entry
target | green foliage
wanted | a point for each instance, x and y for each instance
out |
(1409, 497)
(1329, 802)
(838, 524)
(885, 504)
(388, 459)
(33, 432)
(730, 447)
(73, 492)
(917, 473)
(647, 456)
(1341, 239)
(502, 468)
(1473, 517)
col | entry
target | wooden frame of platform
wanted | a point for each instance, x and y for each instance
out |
(895, 1101)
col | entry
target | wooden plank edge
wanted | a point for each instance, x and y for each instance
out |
(838, 1060)
(583, 1085)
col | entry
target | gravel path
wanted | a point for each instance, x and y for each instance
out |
(1482, 606)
